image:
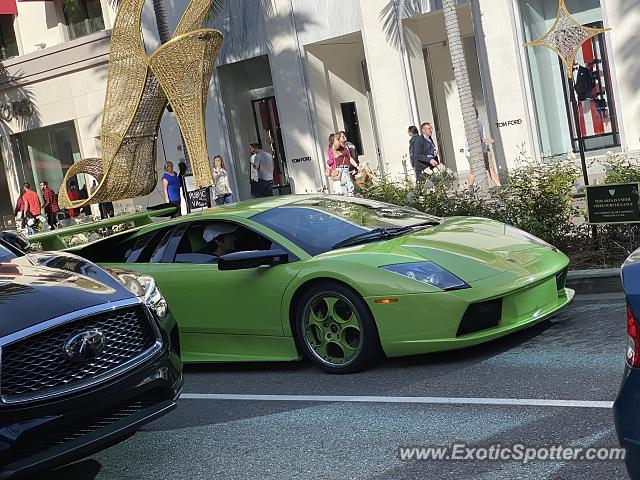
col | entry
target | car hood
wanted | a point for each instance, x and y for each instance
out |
(38, 287)
(474, 248)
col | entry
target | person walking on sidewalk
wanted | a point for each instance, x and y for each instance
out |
(31, 208)
(171, 185)
(340, 161)
(50, 206)
(223, 193)
(417, 152)
(488, 163)
(263, 165)
(424, 154)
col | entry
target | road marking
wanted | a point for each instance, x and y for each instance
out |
(525, 402)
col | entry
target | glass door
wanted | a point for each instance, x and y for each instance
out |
(269, 133)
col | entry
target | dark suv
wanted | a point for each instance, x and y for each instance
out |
(87, 356)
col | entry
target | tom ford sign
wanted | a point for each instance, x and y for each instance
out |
(509, 123)
(18, 108)
(616, 203)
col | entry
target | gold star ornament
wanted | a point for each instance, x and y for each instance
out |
(566, 37)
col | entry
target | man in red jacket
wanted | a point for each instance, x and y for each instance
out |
(50, 206)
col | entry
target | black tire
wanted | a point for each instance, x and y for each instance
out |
(364, 338)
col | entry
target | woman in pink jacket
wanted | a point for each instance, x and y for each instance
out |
(338, 163)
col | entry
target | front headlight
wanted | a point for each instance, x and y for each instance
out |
(429, 273)
(152, 296)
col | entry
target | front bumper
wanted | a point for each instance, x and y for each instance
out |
(54, 433)
(430, 322)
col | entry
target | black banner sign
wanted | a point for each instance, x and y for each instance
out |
(616, 203)
(199, 198)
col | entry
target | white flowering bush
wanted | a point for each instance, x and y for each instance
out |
(78, 239)
(537, 198)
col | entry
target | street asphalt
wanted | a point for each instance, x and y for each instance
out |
(577, 356)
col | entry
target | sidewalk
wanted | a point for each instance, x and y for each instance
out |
(584, 282)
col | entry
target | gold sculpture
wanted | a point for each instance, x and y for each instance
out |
(565, 37)
(138, 90)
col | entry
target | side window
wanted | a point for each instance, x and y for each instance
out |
(145, 245)
(204, 242)
(161, 248)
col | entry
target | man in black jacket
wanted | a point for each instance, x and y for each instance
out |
(422, 150)
(417, 152)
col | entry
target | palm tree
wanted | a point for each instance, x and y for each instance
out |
(464, 92)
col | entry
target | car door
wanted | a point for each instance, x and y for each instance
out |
(206, 300)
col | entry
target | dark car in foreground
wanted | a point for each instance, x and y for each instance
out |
(87, 356)
(627, 405)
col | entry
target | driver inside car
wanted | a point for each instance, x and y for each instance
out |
(220, 239)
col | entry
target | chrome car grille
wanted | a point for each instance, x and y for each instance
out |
(36, 365)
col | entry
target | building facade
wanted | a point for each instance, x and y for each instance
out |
(293, 71)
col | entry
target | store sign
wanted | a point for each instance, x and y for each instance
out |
(300, 160)
(19, 108)
(616, 203)
(509, 123)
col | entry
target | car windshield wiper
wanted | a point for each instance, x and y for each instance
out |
(378, 233)
(374, 234)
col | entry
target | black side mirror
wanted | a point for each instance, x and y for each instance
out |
(252, 259)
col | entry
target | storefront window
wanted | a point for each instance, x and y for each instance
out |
(83, 17)
(8, 44)
(46, 154)
(550, 88)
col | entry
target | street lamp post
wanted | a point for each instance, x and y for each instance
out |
(576, 125)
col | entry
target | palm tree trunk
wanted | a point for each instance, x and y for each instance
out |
(161, 21)
(466, 98)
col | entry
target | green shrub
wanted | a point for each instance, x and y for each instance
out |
(620, 169)
(537, 198)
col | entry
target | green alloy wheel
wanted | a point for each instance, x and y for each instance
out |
(335, 329)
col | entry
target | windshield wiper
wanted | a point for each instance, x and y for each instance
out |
(367, 236)
(381, 233)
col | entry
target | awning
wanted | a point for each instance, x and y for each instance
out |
(8, 7)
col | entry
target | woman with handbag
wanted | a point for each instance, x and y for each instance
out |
(338, 166)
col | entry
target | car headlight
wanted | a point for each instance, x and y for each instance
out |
(429, 273)
(152, 296)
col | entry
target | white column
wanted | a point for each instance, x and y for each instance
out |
(388, 85)
(500, 51)
(292, 100)
(622, 42)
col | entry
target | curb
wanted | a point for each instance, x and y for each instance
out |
(585, 282)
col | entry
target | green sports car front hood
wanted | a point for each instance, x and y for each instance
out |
(473, 248)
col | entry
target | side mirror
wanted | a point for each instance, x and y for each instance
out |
(252, 259)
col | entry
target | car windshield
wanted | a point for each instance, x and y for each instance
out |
(320, 224)
(6, 254)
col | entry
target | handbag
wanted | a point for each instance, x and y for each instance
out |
(334, 175)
